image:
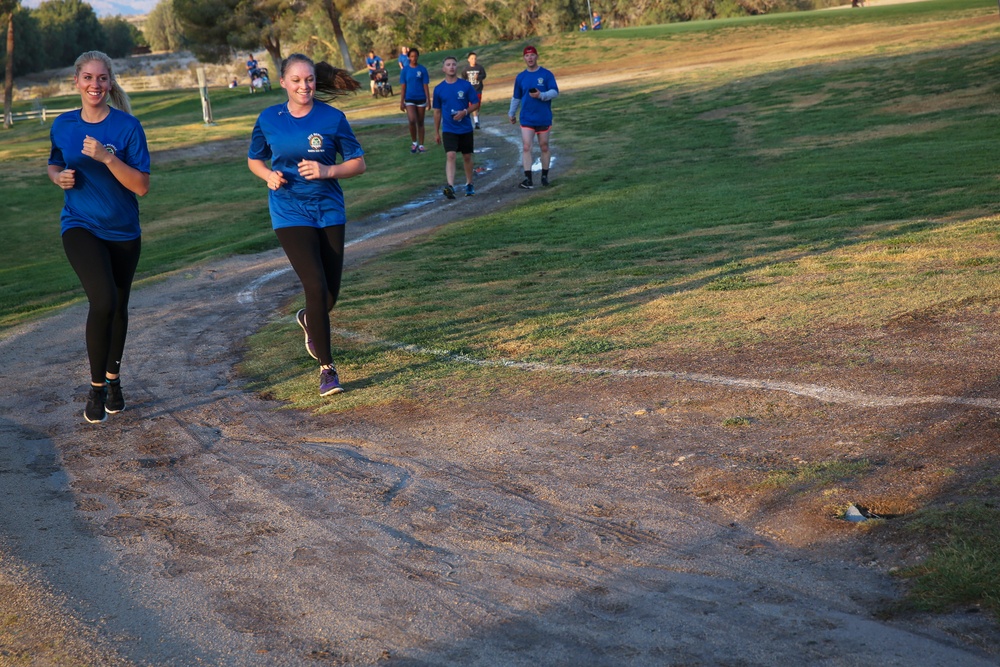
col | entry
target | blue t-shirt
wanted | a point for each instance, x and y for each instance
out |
(98, 202)
(285, 140)
(452, 98)
(535, 113)
(404, 61)
(414, 78)
(376, 62)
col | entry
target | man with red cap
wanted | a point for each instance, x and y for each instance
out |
(534, 90)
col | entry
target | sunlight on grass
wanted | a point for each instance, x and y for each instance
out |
(815, 475)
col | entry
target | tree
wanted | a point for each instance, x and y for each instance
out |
(8, 7)
(163, 30)
(215, 28)
(68, 27)
(333, 11)
(119, 36)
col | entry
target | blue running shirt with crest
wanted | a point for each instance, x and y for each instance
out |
(451, 98)
(98, 202)
(285, 140)
(535, 112)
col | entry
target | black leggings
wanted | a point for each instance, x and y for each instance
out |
(105, 269)
(317, 255)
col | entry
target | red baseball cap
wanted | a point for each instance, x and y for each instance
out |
(530, 49)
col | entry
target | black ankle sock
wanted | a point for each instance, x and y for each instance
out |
(527, 175)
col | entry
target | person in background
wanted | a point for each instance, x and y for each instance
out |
(583, 26)
(301, 139)
(414, 98)
(475, 74)
(454, 101)
(252, 65)
(534, 90)
(99, 158)
(596, 21)
(374, 64)
(404, 57)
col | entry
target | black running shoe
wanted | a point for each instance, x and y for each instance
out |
(449, 191)
(94, 412)
(115, 402)
(526, 184)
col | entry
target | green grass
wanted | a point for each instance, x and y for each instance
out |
(816, 475)
(963, 568)
(714, 211)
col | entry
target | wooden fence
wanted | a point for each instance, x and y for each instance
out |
(40, 114)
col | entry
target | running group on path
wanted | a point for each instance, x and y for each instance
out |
(100, 159)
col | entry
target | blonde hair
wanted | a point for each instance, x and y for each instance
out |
(116, 96)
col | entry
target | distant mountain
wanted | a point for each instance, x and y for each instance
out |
(105, 8)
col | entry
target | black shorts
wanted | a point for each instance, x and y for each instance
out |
(457, 143)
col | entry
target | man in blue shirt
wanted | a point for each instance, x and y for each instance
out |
(534, 90)
(454, 101)
(597, 21)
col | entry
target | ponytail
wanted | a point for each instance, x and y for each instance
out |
(331, 82)
(116, 96)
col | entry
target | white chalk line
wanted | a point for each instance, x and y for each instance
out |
(818, 392)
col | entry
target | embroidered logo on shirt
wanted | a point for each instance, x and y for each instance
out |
(315, 143)
(461, 94)
(111, 149)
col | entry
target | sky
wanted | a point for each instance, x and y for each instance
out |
(105, 8)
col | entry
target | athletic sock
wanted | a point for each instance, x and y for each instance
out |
(527, 175)
(545, 173)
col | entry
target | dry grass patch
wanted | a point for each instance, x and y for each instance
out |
(915, 105)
